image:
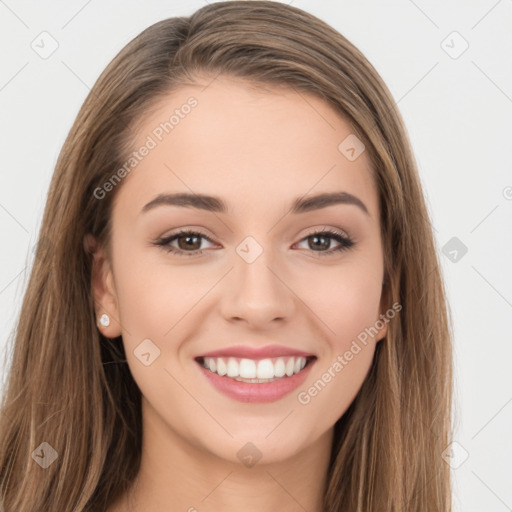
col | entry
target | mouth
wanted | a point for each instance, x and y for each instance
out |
(255, 380)
(255, 370)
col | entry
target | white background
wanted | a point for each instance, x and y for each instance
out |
(458, 112)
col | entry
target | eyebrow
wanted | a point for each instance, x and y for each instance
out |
(217, 205)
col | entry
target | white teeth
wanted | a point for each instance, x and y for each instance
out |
(247, 369)
(265, 369)
(290, 365)
(255, 371)
(221, 366)
(233, 368)
(279, 368)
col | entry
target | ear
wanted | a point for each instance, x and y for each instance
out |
(103, 289)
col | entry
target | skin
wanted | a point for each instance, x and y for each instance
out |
(258, 151)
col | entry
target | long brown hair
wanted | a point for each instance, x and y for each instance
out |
(71, 388)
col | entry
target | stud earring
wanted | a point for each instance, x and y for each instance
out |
(104, 320)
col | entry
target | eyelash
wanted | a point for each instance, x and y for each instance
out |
(345, 242)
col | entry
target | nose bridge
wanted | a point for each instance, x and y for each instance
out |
(258, 293)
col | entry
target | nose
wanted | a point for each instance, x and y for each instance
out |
(257, 293)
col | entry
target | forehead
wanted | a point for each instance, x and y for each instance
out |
(252, 145)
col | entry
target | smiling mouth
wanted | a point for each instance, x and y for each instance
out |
(256, 371)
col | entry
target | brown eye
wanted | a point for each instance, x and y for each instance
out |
(189, 243)
(192, 242)
(321, 240)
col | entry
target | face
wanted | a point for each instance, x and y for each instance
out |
(262, 274)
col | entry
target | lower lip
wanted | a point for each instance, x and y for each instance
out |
(254, 392)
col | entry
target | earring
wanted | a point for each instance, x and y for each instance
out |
(104, 320)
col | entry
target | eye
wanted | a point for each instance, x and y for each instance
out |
(322, 239)
(186, 240)
(189, 242)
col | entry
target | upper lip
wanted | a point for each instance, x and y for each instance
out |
(248, 352)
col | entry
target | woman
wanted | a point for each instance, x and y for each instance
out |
(236, 301)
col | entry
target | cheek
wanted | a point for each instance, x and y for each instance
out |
(155, 310)
(146, 301)
(162, 302)
(350, 309)
(153, 295)
(346, 301)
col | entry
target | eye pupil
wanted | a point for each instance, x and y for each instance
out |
(325, 245)
(188, 245)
